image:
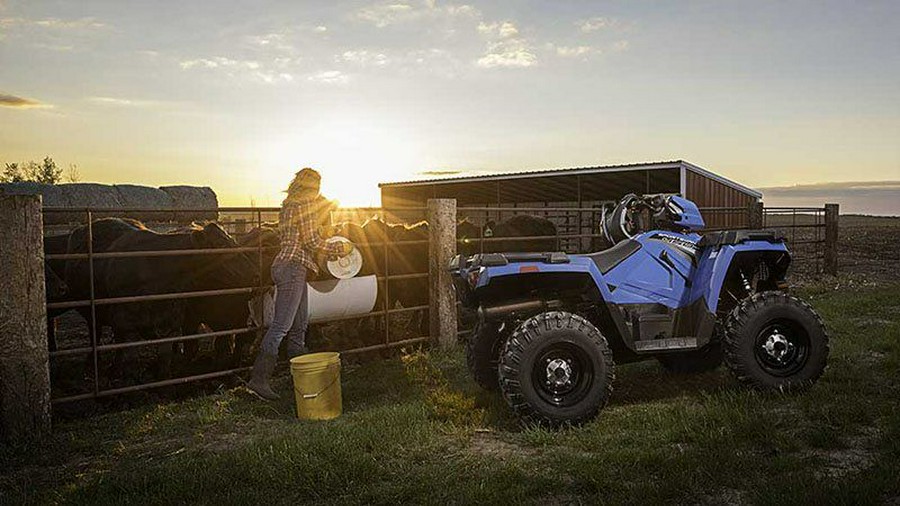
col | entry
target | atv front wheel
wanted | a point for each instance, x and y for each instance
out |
(774, 341)
(556, 369)
(483, 353)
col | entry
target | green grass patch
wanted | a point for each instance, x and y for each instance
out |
(416, 429)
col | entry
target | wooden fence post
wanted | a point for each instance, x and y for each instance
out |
(24, 358)
(441, 249)
(832, 217)
(755, 215)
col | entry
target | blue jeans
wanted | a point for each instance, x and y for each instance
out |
(291, 311)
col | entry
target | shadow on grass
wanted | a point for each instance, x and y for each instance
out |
(645, 382)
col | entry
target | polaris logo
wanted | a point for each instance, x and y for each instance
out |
(679, 242)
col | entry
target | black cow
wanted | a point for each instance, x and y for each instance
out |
(520, 225)
(132, 276)
(468, 237)
(56, 289)
(77, 272)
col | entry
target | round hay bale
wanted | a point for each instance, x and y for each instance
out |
(91, 195)
(193, 198)
(51, 196)
(145, 197)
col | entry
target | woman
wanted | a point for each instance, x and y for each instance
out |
(300, 242)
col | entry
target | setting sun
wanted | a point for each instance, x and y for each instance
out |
(353, 155)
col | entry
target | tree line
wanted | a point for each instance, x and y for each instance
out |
(44, 172)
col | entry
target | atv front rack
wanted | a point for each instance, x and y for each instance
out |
(501, 259)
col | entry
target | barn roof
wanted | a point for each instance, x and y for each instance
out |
(672, 164)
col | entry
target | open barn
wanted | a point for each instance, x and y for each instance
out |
(724, 202)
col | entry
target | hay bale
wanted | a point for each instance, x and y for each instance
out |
(193, 197)
(51, 196)
(91, 195)
(145, 197)
(100, 197)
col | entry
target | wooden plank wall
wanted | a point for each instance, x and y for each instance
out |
(707, 192)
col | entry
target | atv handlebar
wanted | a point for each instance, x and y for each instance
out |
(627, 218)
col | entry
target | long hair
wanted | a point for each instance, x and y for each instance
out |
(305, 185)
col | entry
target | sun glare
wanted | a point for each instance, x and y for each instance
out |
(353, 157)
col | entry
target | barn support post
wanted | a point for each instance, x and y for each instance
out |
(755, 215)
(24, 356)
(441, 249)
(832, 215)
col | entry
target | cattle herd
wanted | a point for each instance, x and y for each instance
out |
(207, 263)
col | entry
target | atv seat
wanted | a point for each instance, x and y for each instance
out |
(611, 257)
(731, 237)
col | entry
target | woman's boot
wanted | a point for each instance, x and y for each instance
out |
(259, 378)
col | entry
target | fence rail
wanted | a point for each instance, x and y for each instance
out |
(811, 233)
(384, 278)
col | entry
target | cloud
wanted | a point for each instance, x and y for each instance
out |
(53, 23)
(577, 51)
(364, 58)
(593, 24)
(277, 42)
(385, 14)
(20, 102)
(63, 24)
(55, 34)
(329, 77)
(220, 62)
(503, 30)
(273, 77)
(508, 53)
(436, 61)
(122, 102)
(391, 12)
(251, 69)
(440, 172)
(504, 47)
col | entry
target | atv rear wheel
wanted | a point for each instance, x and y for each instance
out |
(483, 353)
(556, 369)
(774, 341)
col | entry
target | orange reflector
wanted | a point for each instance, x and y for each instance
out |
(529, 268)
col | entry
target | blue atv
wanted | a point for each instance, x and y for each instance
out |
(550, 325)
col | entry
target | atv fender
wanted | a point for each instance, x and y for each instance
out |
(716, 261)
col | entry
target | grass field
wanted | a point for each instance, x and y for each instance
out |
(417, 430)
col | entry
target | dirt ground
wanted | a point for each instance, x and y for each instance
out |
(869, 247)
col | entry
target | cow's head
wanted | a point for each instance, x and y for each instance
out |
(229, 270)
(469, 236)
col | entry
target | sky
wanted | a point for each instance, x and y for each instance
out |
(238, 95)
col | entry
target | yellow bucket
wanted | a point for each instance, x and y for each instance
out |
(317, 385)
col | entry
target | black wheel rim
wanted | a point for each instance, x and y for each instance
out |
(563, 374)
(781, 348)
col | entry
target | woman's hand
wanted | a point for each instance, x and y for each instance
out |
(346, 248)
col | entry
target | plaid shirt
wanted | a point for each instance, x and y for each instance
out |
(300, 240)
